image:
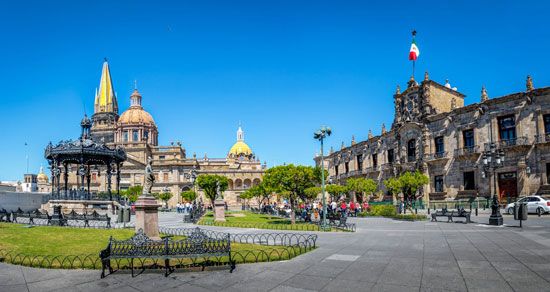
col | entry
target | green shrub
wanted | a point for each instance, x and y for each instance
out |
(383, 210)
(410, 217)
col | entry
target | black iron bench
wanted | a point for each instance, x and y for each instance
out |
(36, 214)
(442, 213)
(196, 245)
(460, 213)
(4, 216)
(94, 216)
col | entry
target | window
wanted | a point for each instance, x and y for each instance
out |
(145, 135)
(391, 157)
(336, 170)
(125, 136)
(162, 157)
(374, 160)
(135, 136)
(439, 145)
(469, 181)
(438, 183)
(360, 162)
(468, 137)
(165, 178)
(94, 177)
(411, 150)
(347, 166)
(507, 128)
(546, 119)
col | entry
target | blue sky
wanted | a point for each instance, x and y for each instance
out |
(281, 68)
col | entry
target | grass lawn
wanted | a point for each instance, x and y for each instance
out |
(245, 219)
(65, 247)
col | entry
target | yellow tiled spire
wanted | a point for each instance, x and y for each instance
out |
(105, 99)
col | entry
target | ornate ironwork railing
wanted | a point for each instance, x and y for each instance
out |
(542, 138)
(518, 141)
(437, 155)
(278, 247)
(305, 226)
(467, 150)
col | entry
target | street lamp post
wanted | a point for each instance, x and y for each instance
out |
(320, 135)
(493, 158)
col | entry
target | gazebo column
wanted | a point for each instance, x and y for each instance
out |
(82, 173)
(66, 178)
(57, 179)
(88, 176)
(109, 181)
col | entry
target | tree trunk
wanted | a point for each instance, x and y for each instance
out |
(292, 216)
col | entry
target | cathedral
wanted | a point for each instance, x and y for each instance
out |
(135, 130)
(495, 146)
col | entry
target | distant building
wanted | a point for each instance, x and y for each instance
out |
(136, 131)
(434, 132)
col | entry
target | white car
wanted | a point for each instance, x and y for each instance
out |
(535, 204)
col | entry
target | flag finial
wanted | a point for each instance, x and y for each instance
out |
(414, 32)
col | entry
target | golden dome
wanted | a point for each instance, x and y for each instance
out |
(240, 148)
(136, 115)
(42, 177)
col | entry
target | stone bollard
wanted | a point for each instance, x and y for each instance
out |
(476, 211)
(428, 211)
(415, 210)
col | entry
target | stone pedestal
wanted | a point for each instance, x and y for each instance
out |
(219, 210)
(57, 218)
(496, 220)
(147, 217)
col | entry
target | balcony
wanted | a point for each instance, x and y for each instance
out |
(468, 151)
(518, 141)
(436, 156)
(544, 138)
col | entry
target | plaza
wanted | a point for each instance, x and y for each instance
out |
(383, 255)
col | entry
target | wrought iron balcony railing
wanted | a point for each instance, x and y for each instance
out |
(467, 150)
(518, 141)
(544, 138)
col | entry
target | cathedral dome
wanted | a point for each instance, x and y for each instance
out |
(42, 177)
(240, 148)
(136, 114)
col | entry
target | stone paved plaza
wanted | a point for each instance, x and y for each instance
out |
(383, 255)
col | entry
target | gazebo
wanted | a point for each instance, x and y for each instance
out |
(85, 154)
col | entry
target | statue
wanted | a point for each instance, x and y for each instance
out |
(149, 177)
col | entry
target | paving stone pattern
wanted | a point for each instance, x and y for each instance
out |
(383, 255)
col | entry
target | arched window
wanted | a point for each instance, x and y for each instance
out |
(411, 150)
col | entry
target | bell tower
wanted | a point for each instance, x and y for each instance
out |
(105, 108)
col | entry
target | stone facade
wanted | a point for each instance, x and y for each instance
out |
(435, 133)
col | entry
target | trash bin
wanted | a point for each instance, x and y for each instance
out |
(120, 214)
(520, 212)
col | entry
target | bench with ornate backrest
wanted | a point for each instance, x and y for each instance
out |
(335, 216)
(198, 244)
(36, 214)
(94, 216)
(4, 215)
(442, 213)
(460, 212)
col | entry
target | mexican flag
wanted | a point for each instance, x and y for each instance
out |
(414, 52)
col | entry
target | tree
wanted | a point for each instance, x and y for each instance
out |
(362, 186)
(393, 185)
(410, 183)
(335, 191)
(291, 181)
(132, 193)
(209, 184)
(165, 197)
(189, 195)
(246, 196)
(312, 192)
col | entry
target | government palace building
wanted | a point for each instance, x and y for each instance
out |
(136, 132)
(497, 145)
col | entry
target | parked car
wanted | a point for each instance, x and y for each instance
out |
(535, 204)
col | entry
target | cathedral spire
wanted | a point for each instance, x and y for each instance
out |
(105, 98)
